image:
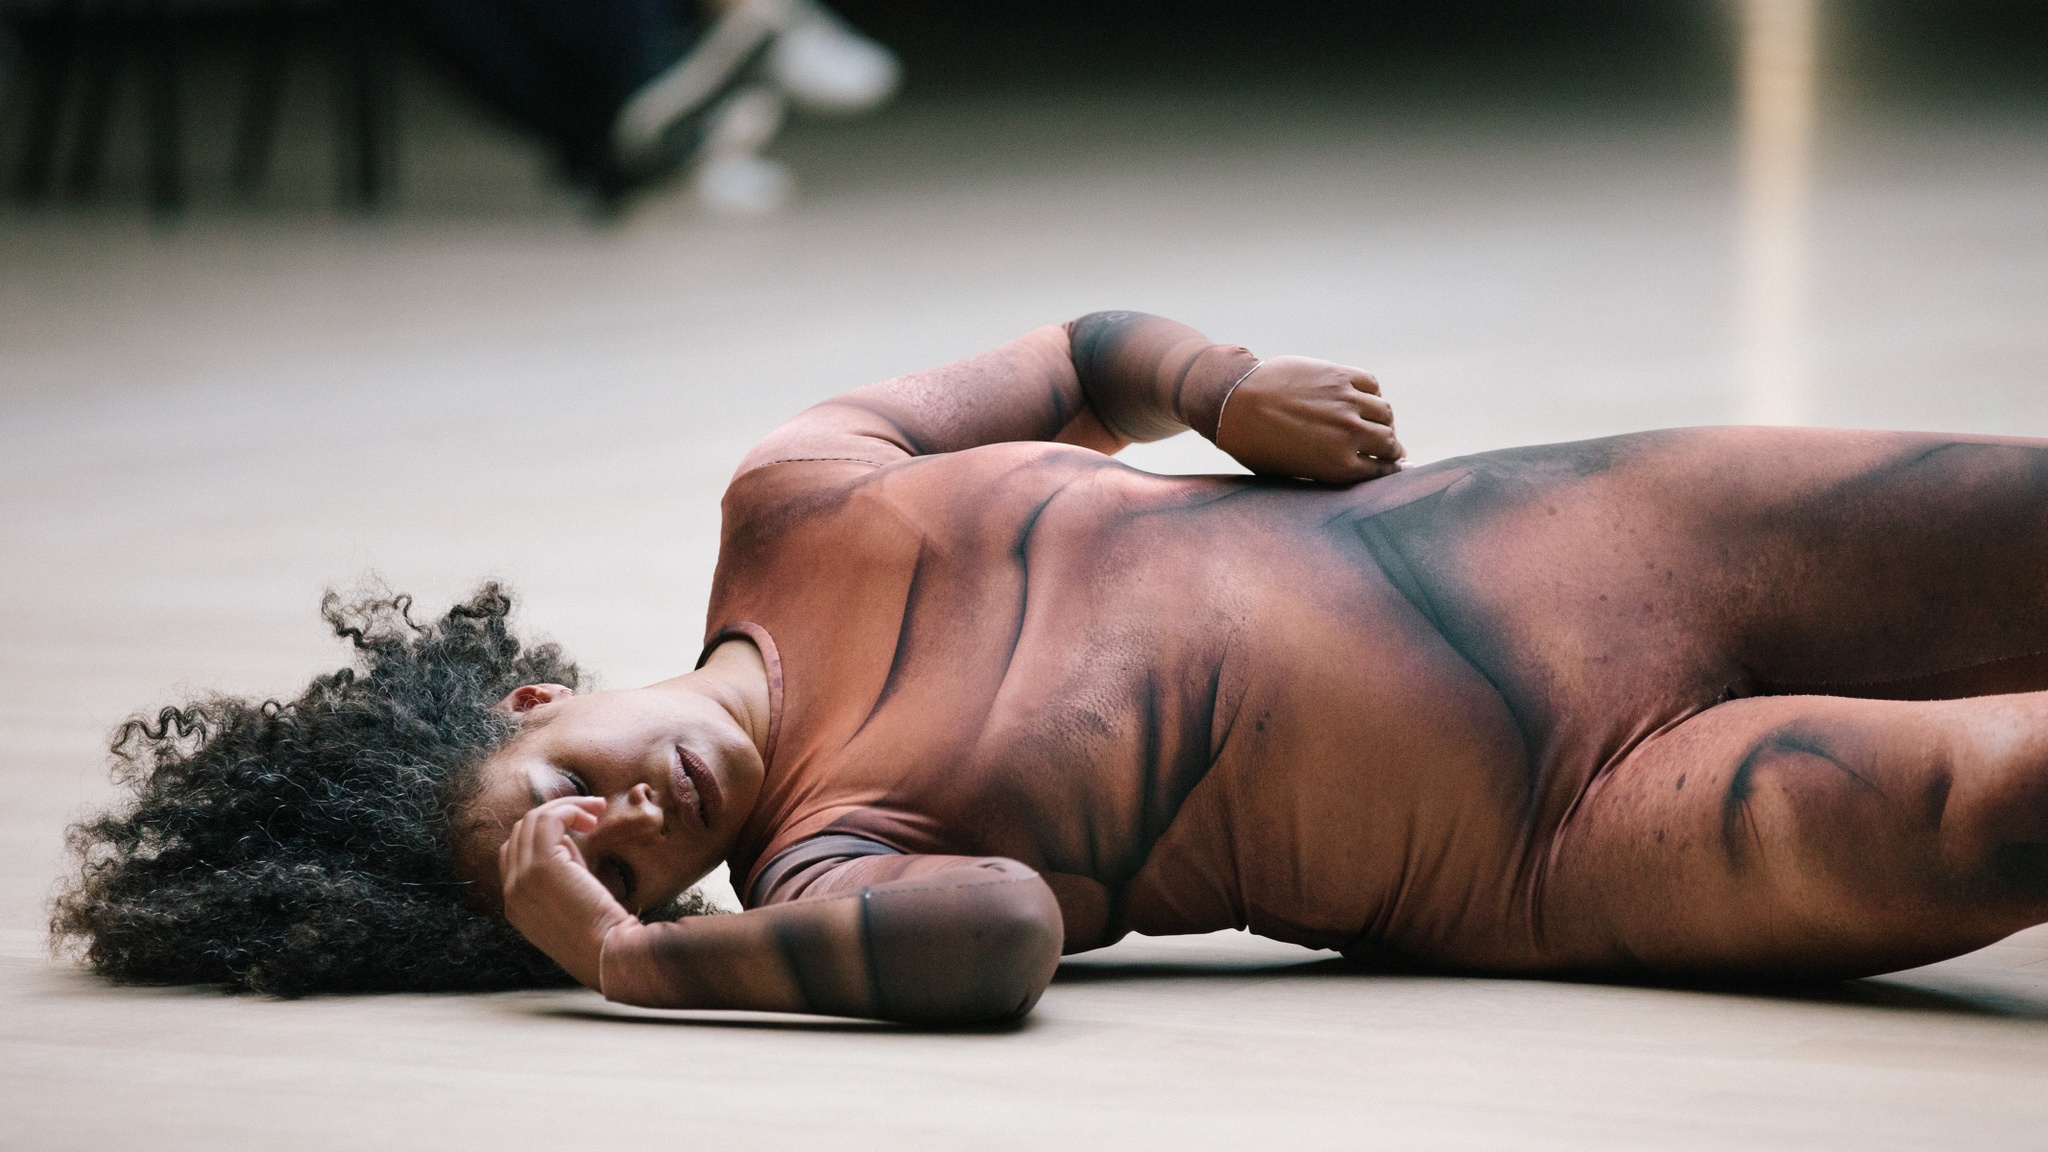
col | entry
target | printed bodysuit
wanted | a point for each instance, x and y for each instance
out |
(1446, 717)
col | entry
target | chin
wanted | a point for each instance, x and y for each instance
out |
(690, 902)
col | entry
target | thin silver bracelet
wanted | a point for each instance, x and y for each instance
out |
(1232, 391)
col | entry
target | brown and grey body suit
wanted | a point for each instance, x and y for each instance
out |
(1622, 704)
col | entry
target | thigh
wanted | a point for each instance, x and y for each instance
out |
(1807, 835)
(1609, 589)
(1772, 561)
(1881, 565)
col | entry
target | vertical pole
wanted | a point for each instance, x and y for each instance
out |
(1780, 60)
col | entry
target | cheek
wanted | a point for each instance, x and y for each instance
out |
(616, 760)
(685, 863)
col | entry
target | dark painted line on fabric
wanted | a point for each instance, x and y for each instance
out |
(1150, 742)
(1735, 807)
(1180, 380)
(899, 658)
(1093, 342)
(791, 947)
(1061, 414)
(1394, 564)
(1208, 711)
(1742, 784)
(1020, 554)
(867, 953)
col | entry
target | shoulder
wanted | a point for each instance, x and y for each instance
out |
(783, 491)
(792, 526)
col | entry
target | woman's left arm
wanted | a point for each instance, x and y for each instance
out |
(1104, 381)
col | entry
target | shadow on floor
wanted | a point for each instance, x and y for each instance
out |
(759, 1021)
(1877, 992)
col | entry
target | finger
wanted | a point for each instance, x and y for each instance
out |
(543, 827)
(1375, 409)
(1361, 468)
(571, 810)
(1339, 464)
(582, 821)
(1364, 381)
(526, 836)
(512, 863)
(1375, 440)
(554, 823)
(571, 846)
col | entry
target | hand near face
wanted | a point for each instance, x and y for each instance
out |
(550, 894)
(1294, 416)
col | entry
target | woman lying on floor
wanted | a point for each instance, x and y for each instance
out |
(1748, 701)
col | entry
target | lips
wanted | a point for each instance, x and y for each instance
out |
(695, 788)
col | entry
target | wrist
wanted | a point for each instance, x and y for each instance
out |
(613, 941)
(1207, 383)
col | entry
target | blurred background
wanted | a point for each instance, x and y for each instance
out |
(288, 296)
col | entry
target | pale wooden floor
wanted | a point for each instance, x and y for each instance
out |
(201, 429)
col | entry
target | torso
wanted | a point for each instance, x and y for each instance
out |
(1365, 718)
(1191, 703)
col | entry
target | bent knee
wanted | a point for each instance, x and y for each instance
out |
(1951, 800)
(1851, 834)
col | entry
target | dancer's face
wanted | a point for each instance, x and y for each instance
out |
(676, 770)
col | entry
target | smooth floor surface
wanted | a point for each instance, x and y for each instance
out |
(203, 427)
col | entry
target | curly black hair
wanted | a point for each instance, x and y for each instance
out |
(308, 845)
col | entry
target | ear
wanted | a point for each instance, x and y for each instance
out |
(522, 700)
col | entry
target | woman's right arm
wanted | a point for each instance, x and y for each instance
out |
(946, 940)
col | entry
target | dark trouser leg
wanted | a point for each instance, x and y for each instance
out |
(558, 68)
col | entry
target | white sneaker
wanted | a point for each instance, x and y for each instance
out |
(744, 122)
(733, 178)
(711, 65)
(812, 56)
(743, 185)
(827, 67)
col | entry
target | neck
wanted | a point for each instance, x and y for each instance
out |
(736, 678)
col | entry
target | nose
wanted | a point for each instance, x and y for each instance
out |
(628, 816)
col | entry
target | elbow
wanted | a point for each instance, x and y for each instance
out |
(1019, 937)
(976, 954)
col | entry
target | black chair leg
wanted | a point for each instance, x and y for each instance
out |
(101, 45)
(364, 77)
(262, 98)
(13, 67)
(45, 120)
(160, 84)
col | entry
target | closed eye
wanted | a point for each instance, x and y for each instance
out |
(578, 786)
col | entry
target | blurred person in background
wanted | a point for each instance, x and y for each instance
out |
(629, 93)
